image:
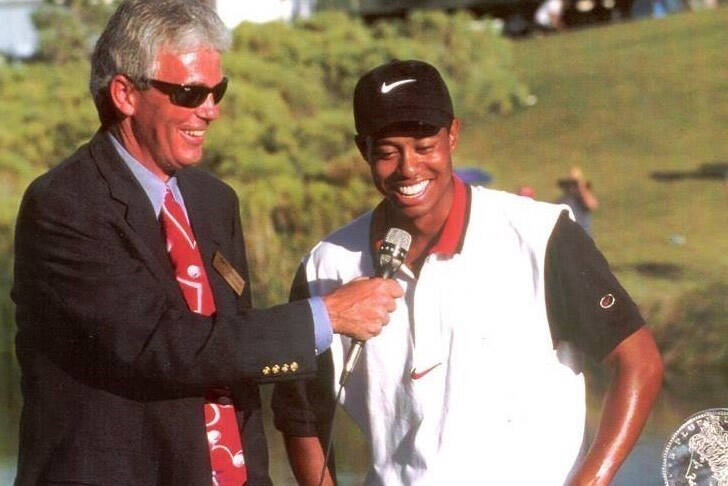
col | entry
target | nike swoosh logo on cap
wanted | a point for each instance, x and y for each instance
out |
(386, 88)
(417, 376)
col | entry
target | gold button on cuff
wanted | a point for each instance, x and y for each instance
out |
(294, 366)
(284, 368)
(275, 369)
(266, 370)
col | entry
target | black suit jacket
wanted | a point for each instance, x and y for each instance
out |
(114, 365)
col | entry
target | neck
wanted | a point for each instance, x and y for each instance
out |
(124, 133)
(425, 230)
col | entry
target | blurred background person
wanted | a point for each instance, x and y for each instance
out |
(578, 195)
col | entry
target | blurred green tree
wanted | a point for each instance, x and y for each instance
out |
(68, 29)
(284, 143)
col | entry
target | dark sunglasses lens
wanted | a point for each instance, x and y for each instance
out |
(194, 96)
(189, 96)
(219, 90)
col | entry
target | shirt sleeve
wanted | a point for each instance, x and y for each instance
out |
(585, 303)
(323, 333)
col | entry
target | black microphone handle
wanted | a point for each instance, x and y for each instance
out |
(356, 347)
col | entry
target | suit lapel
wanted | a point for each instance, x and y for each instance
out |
(144, 230)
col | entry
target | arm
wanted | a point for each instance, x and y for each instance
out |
(306, 457)
(588, 307)
(586, 195)
(89, 290)
(303, 410)
(636, 382)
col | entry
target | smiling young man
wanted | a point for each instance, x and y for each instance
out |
(477, 378)
(139, 351)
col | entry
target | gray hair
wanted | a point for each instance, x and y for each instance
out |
(137, 30)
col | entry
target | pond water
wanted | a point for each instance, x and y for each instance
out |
(642, 468)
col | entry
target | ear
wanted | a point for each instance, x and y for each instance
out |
(124, 94)
(362, 144)
(453, 133)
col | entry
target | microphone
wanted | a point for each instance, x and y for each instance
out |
(390, 256)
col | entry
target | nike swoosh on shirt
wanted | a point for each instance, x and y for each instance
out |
(417, 376)
(386, 88)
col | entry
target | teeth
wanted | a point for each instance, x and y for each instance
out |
(194, 133)
(413, 189)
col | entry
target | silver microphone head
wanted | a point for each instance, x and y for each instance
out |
(399, 238)
(393, 251)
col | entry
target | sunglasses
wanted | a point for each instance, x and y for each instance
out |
(190, 95)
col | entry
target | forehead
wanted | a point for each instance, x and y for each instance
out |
(407, 134)
(189, 66)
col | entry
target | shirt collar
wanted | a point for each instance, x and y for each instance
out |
(154, 187)
(452, 235)
(453, 232)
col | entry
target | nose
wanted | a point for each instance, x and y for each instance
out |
(208, 110)
(408, 162)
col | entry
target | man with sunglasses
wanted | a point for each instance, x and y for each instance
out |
(139, 351)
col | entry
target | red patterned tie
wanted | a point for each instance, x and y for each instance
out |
(223, 436)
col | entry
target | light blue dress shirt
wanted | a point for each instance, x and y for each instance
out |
(156, 188)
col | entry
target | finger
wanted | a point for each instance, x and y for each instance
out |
(391, 306)
(394, 289)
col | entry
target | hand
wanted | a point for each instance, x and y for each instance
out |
(360, 308)
(576, 174)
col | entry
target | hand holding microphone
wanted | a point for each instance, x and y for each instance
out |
(360, 308)
(389, 258)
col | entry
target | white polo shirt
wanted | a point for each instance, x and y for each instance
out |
(467, 383)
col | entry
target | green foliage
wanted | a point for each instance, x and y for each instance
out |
(287, 139)
(68, 29)
(692, 335)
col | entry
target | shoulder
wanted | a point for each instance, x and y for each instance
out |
(353, 237)
(525, 215)
(342, 248)
(70, 182)
(204, 179)
(217, 193)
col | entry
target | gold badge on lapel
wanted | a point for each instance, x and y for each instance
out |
(226, 270)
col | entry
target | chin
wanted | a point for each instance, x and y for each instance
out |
(411, 212)
(189, 160)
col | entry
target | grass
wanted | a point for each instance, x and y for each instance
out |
(623, 101)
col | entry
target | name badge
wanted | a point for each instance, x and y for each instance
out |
(227, 272)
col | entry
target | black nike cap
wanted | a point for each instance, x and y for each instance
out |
(401, 92)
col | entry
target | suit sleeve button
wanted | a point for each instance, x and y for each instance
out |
(266, 370)
(284, 368)
(275, 369)
(294, 366)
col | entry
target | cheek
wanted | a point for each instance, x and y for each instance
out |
(376, 176)
(381, 171)
(441, 163)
